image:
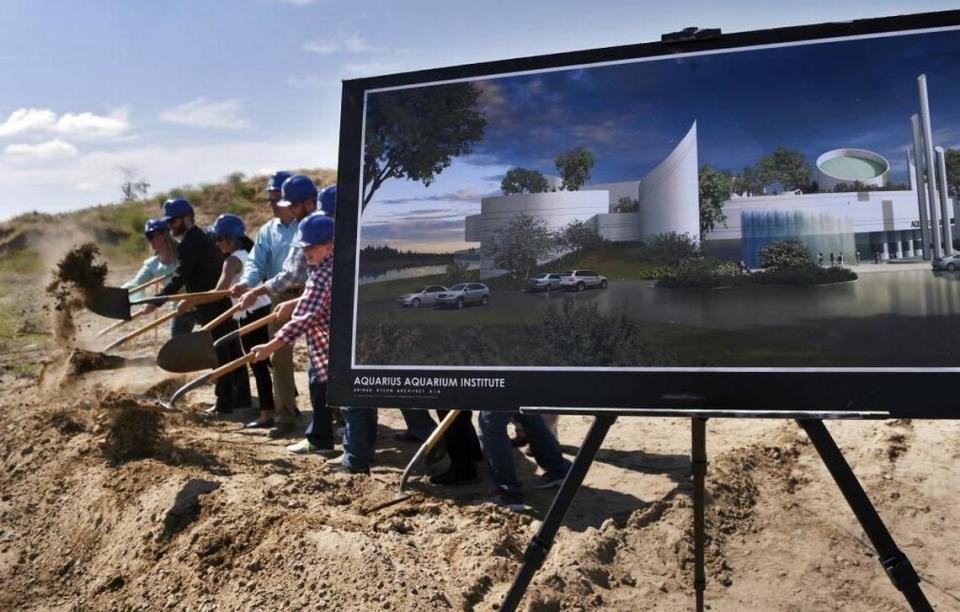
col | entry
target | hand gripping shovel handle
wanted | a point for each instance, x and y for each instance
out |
(141, 331)
(211, 376)
(150, 282)
(246, 329)
(198, 298)
(114, 326)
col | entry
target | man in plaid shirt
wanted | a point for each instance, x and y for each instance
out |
(311, 317)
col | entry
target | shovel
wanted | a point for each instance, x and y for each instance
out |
(115, 303)
(193, 351)
(139, 332)
(243, 331)
(210, 376)
(435, 436)
(143, 286)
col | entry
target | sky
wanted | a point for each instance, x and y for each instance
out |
(187, 91)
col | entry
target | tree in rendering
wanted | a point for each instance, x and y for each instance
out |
(953, 171)
(522, 180)
(578, 236)
(787, 167)
(716, 187)
(415, 133)
(574, 167)
(748, 182)
(520, 244)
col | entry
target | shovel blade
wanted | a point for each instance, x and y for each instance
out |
(111, 302)
(188, 353)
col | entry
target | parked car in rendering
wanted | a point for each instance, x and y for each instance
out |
(578, 280)
(948, 263)
(546, 281)
(462, 294)
(424, 296)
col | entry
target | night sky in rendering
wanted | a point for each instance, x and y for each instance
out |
(812, 98)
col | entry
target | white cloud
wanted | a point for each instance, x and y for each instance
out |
(53, 149)
(78, 125)
(207, 114)
(25, 120)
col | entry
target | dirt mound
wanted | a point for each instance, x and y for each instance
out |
(128, 427)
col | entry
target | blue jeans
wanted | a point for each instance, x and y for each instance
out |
(182, 324)
(419, 423)
(499, 452)
(320, 430)
(359, 436)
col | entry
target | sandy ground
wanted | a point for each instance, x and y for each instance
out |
(109, 503)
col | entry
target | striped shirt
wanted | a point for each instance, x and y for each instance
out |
(312, 317)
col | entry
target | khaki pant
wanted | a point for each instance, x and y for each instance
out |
(284, 388)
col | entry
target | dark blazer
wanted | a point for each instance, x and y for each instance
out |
(198, 269)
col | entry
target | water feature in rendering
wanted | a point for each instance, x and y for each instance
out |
(819, 232)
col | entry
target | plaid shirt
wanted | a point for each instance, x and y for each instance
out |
(312, 317)
(292, 274)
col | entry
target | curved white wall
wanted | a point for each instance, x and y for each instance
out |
(556, 208)
(827, 182)
(670, 194)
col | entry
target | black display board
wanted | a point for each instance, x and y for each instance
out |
(703, 190)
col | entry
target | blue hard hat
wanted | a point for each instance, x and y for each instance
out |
(328, 201)
(316, 228)
(296, 189)
(175, 208)
(276, 180)
(229, 225)
(155, 225)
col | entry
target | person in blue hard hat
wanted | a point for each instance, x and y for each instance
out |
(298, 193)
(270, 248)
(311, 317)
(198, 269)
(162, 262)
(230, 235)
(328, 201)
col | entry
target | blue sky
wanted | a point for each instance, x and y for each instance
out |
(188, 92)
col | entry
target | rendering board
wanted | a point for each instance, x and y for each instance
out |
(756, 221)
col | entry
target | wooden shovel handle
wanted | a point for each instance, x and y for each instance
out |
(114, 326)
(141, 331)
(226, 314)
(198, 298)
(150, 282)
(435, 436)
(228, 367)
(267, 320)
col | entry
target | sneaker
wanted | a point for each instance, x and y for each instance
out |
(258, 424)
(510, 500)
(549, 481)
(303, 447)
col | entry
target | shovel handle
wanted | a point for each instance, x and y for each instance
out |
(226, 314)
(114, 326)
(435, 436)
(246, 329)
(141, 331)
(198, 298)
(150, 282)
(211, 376)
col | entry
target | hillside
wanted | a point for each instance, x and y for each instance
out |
(118, 228)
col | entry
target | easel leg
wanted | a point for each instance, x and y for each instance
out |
(540, 544)
(698, 462)
(894, 562)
